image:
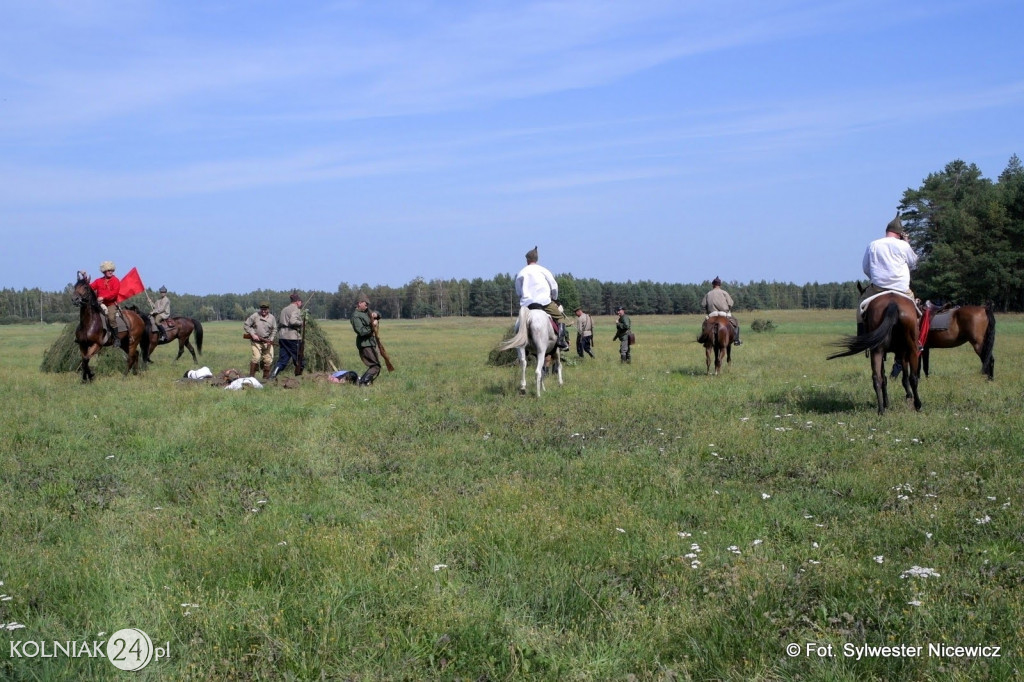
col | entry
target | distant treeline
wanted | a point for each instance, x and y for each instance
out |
(478, 297)
(967, 229)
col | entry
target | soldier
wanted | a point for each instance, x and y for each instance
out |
(366, 342)
(289, 334)
(622, 329)
(261, 327)
(161, 311)
(718, 300)
(584, 333)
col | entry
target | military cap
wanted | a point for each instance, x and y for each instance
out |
(531, 255)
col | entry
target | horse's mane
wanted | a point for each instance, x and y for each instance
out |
(90, 295)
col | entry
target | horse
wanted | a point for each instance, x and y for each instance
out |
(182, 331)
(974, 324)
(890, 321)
(534, 329)
(91, 330)
(717, 335)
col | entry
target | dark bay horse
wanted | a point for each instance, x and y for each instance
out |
(182, 331)
(973, 324)
(891, 323)
(717, 336)
(90, 332)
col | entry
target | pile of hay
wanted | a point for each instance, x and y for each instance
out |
(319, 355)
(64, 356)
(504, 358)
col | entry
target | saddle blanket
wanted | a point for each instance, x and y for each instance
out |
(864, 303)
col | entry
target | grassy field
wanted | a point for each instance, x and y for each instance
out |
(641, 522)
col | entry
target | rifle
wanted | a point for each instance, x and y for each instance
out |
(380, 346)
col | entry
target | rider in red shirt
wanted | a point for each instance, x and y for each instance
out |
(107, 288)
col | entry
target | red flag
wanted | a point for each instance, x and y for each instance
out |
(131, 284)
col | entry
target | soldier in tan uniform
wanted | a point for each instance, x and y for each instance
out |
(161, 311)
(261, 328)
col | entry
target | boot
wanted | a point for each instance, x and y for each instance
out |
(273, 373)
(563, 338)
(266, 373)
(252, 368)
(162, 333)
(737, 342)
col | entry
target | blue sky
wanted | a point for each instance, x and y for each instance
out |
(229, 146)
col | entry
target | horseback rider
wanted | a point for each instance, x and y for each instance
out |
(887, 263)
(161, 311)
(107, 288)
(719, 301)
(538, 290)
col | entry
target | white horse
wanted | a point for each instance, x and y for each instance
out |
(534, 329)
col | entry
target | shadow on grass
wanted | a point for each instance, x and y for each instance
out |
(698, 371)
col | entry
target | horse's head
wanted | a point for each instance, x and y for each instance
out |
(82, 292)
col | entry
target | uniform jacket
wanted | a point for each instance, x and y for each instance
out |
(585, 325)
(290, 325)
(363, 327)
(623, 326)
(716, 300)
(162, 309)
(263, 327)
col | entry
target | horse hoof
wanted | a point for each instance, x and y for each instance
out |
(522, 391)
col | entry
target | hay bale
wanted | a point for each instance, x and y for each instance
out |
(319, 355)
(63, 355)
(504, 358)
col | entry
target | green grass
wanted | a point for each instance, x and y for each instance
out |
(440, 526)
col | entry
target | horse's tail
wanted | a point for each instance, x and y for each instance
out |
(716, 340)
(871, 340)
(522, 334)
(988, 361)
(199, 334)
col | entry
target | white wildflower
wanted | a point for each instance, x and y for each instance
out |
(983, 520)
(683, 534)
(812, 561)
(621, 530)
(691, 555)
(815, 545)
(879, 559)
(438, 567)
(109, 457)
(765, 496)
(734, 549)
(919, 572)
(915, 602)
(755, 543)
(282, 543)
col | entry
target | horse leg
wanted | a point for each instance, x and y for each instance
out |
(878, 379)
(707, 357)
(521, 352)
(558, 365)
(913, 375)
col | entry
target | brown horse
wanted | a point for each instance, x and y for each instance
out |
(90, 332)
(973, 324)
(891, 323)
(717, 336)
(182, 331)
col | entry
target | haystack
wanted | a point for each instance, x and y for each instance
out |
(319, 355)
(64, 356)
(504, 358)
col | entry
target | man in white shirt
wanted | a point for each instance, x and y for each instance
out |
(887, 263)
(538, 290)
